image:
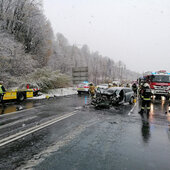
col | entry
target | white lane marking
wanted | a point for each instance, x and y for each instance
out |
(63, 140)
(132, 109)
(18, 121)
(19, 135)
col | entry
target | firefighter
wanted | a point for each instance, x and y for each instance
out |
(2, 91)
(146, 98)
(110, 85)
(141, 88)
(92, 89)
(127, 85)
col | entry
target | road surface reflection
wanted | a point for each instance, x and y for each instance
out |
(160, 109)
(5, 109)
(159, 116)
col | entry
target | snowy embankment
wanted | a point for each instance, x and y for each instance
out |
(58, 92)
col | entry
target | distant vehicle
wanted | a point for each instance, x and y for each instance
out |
(83, 87)
(34, 87)
(114, 96)
(103, 86)
(116, 82)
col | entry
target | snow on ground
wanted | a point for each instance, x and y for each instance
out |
(58, 92)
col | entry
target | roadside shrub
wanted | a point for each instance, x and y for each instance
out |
(47, 79)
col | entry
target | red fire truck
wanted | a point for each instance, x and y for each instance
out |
(159, 83)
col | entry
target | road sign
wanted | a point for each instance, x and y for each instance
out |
(79, 74)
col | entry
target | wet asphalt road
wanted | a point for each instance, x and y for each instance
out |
(116, 138)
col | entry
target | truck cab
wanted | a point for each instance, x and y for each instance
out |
(159, 83)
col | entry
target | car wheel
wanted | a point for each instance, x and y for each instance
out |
(79, 92)
(20, 97)
(131, 100)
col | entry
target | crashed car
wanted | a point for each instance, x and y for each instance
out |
(113, 96)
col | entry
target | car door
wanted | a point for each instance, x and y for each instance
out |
(122, 95)
(127, 95)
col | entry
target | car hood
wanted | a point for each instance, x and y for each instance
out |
(108, 93)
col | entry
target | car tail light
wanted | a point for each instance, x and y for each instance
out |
(86, 86)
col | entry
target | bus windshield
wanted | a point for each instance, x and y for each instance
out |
(160, 78)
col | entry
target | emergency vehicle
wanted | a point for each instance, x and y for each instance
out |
(18, 95)
(83, 87)
(159, 83)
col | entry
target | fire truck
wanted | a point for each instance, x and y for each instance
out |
(159, 82)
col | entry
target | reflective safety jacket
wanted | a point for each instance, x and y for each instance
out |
(2, 89)
(146, 95)
(92, 89)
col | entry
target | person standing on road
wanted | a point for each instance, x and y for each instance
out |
(140, 90)
(2, 91)
(110, 85)
(92, 89)
(134, 88)
(146, 98)
(127, 85)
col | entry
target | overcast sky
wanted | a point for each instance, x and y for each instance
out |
(136, 32)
